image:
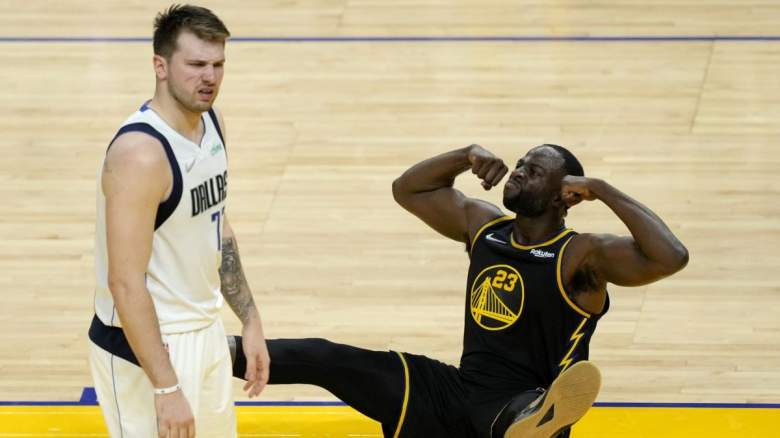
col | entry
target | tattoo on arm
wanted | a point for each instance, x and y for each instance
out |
(235, 288)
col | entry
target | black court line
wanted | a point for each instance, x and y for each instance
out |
(402, 39)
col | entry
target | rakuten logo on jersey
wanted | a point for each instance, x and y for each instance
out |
(542, 254)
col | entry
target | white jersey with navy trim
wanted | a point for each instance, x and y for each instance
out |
(183, 272)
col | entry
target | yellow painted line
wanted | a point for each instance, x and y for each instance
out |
(338, 421)
(304, 421)
(679, 423)
(283, 421)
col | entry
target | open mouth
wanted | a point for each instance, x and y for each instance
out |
(206, 93)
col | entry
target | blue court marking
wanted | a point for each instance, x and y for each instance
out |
(687, 405)
(290, 403)
(88, 395)
(46, 403)
(392, 39)
(338, 403)
(89, 398)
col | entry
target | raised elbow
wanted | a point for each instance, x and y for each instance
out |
(678, 260)
(682, 257)
(398, 190)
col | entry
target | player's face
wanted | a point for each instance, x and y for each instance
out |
(195, 72)
(535, 182)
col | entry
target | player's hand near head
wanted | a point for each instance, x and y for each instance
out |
(426, 190)
(649, 254)
(489, 168)
(174, 416)
(575, 189)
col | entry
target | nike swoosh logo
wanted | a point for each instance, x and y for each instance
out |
(190, 165)
(493, 239)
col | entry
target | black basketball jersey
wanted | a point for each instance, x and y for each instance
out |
(521, 329)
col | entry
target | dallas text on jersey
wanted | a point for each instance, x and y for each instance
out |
(208, 193)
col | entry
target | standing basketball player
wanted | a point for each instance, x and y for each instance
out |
(166, 256)
(535, 292)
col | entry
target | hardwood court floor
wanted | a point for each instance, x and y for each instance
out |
(318, 130)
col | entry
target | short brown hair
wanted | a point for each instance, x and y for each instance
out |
(200, 21)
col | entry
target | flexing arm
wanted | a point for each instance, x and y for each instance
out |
(426, 190)
(135, 179)
(649, 254)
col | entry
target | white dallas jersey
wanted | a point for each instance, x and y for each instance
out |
(183, 272)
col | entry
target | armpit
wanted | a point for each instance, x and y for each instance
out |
(584, 280)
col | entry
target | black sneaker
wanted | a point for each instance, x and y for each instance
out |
(563, 404)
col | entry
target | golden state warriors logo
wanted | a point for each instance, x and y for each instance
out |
(497, 297)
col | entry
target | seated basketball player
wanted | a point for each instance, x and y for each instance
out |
(535, 292)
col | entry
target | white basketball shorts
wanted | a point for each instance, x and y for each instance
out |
(202, 363)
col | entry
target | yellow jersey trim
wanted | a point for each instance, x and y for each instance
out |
(483, 227)
(575, 338)
(406, 397)
(560, 281)
(549, 242)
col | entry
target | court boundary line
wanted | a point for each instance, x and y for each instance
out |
(342, 404)
(413, 38)
(390, 39)
(89, 398)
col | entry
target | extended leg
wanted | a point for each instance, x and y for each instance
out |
(372, 382)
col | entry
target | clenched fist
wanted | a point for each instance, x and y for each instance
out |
(489, 168)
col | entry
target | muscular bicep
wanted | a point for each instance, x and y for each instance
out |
(135, 179)
(449, 212)
(618, 260)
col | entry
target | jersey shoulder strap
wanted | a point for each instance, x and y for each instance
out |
(166, 208)
(498, 220)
